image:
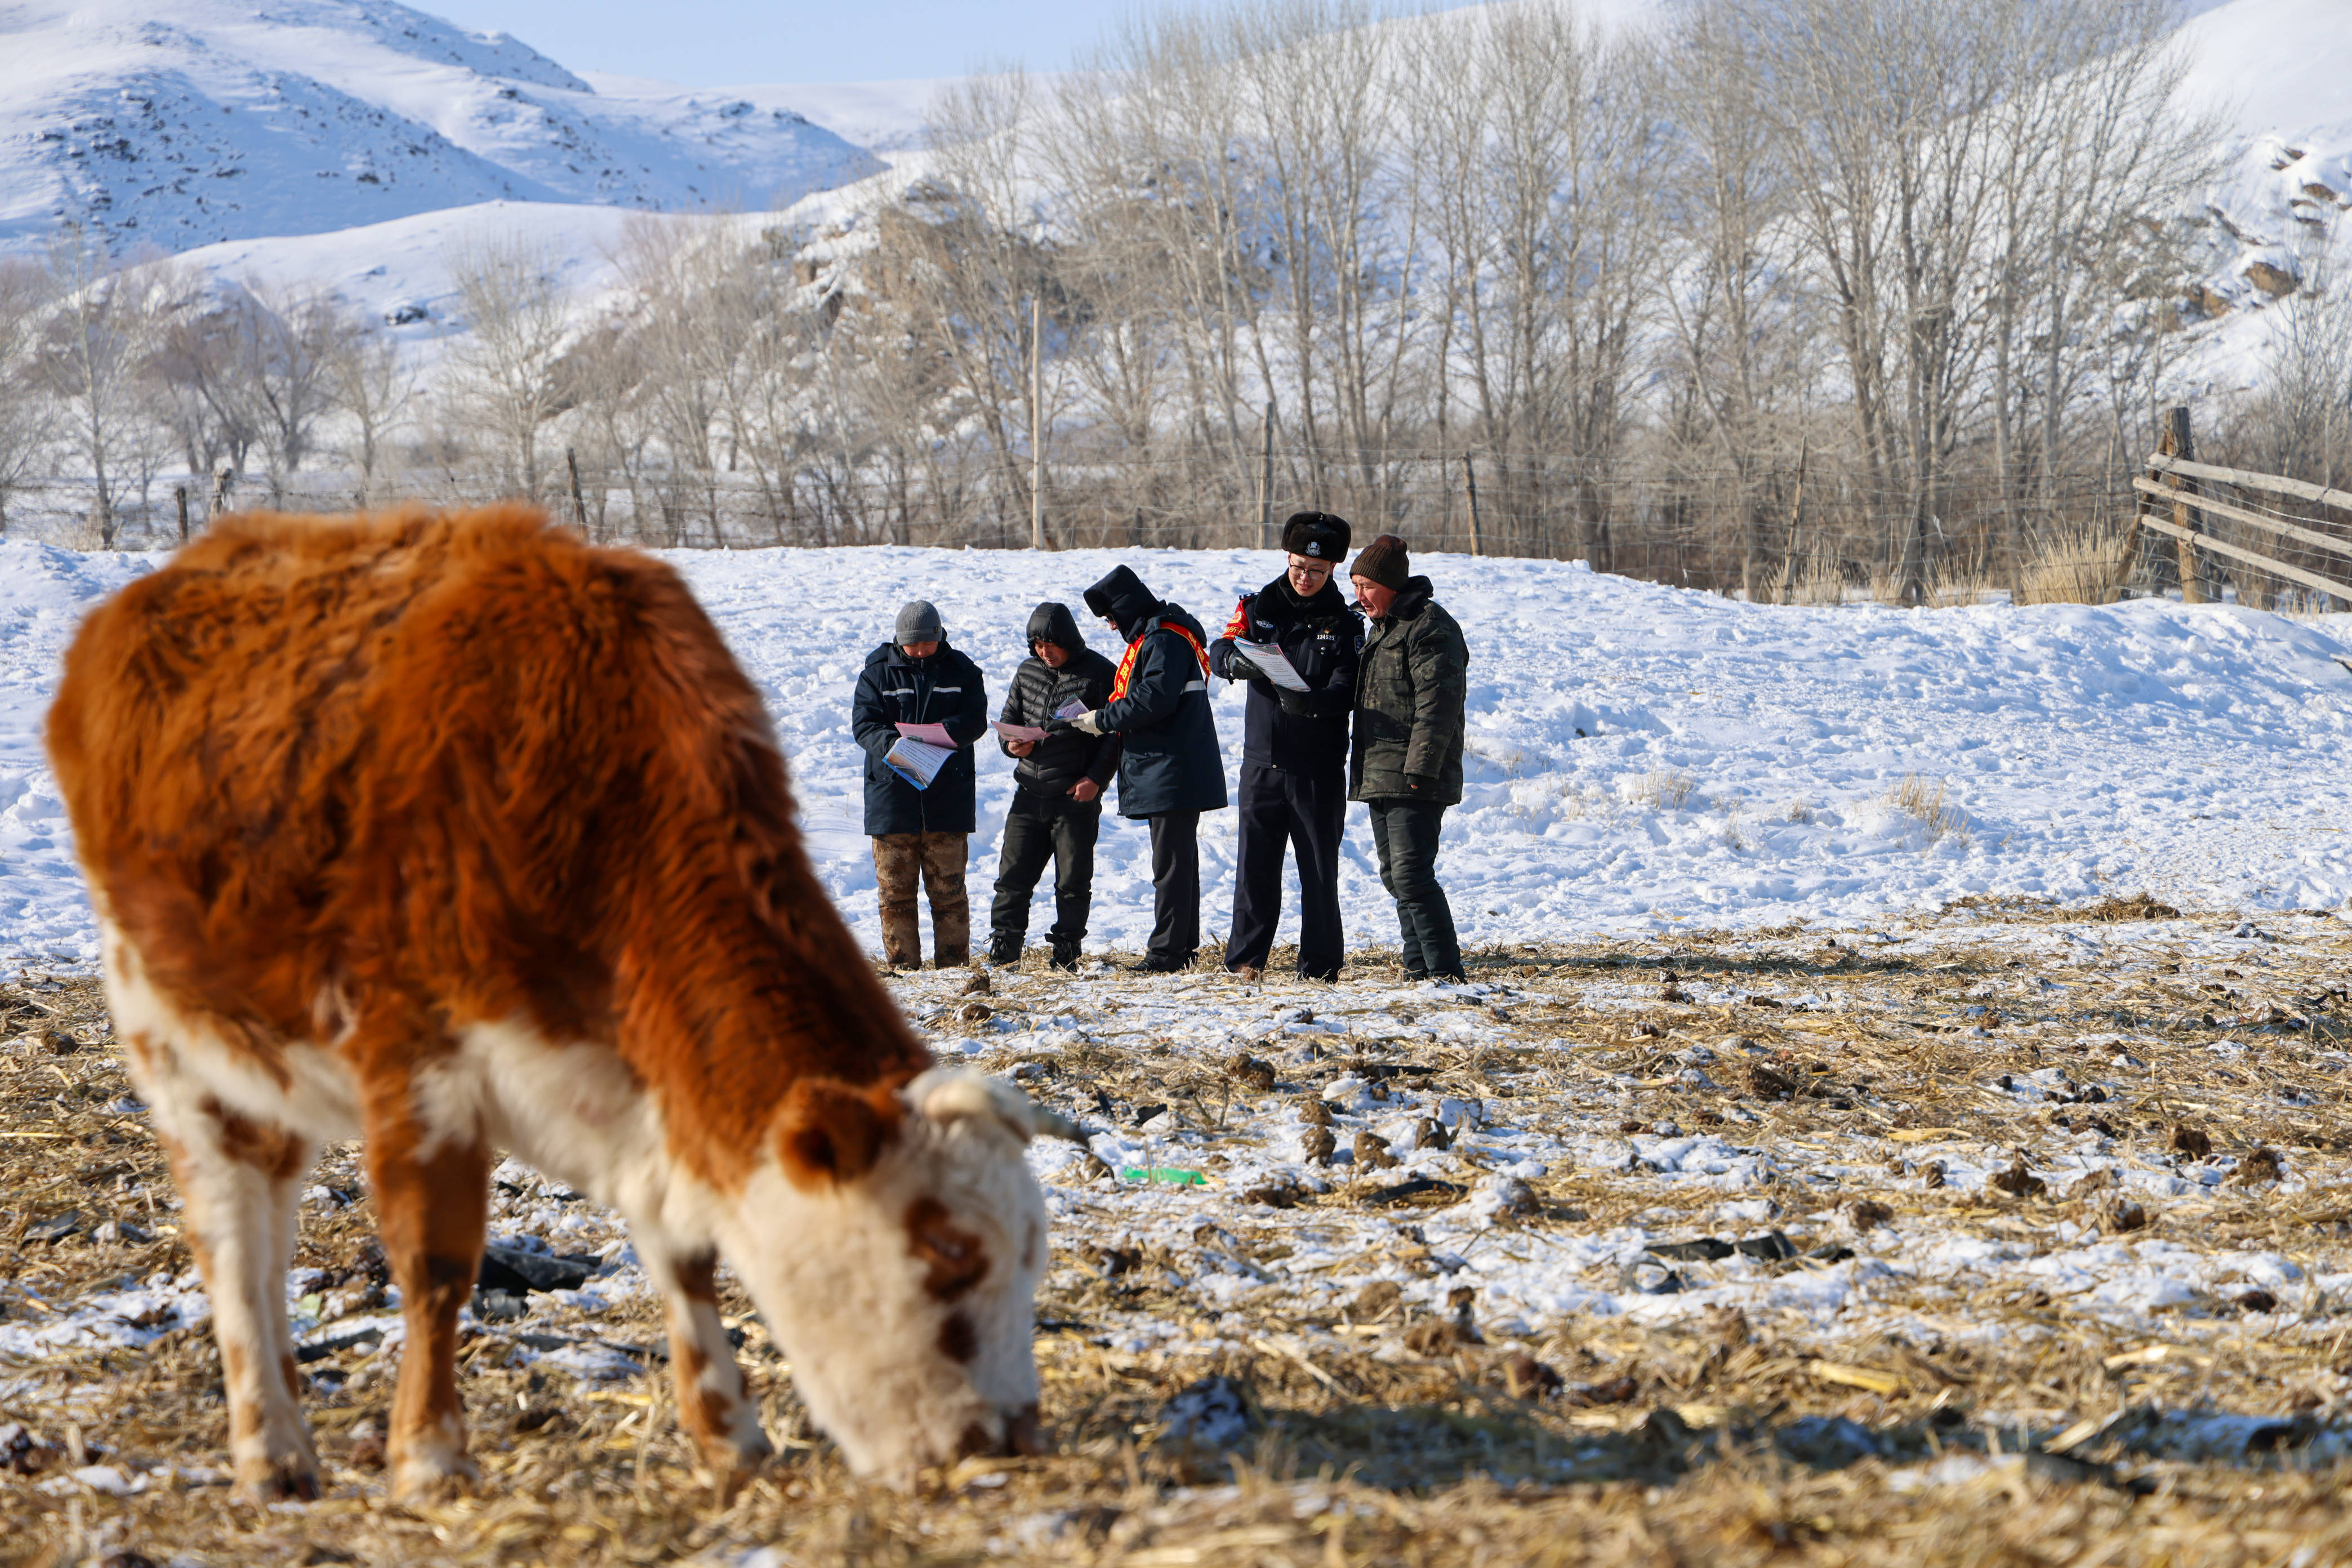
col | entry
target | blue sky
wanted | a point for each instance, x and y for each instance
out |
(714, 43)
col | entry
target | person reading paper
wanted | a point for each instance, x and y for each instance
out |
(918, 706)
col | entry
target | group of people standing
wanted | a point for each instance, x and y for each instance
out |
(1349, 711)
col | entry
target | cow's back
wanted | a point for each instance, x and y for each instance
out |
(463, 766)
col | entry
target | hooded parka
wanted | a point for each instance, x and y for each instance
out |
(1169, 759)
(893, 688)
(1042, 780)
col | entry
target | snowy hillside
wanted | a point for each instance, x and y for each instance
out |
(2279, 75)
(1641, 756)
(226, 118)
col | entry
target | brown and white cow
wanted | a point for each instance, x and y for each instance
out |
(456, 834)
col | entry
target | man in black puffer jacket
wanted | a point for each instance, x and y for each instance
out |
(1170, 769)
(917, 678)
(1294, 750)
(1056, 788)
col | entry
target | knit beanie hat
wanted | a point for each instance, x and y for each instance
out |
(1318, 535)
(918, 621)
(1384, 560)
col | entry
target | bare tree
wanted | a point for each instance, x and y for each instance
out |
(373, 385)
(25, 412)
(1740, 335)
(506, 368)
(1544, 152)
(91, 359)
(291, 342)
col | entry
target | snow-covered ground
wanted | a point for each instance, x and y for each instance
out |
(2198, 754)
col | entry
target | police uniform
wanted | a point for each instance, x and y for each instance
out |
(1294, 786)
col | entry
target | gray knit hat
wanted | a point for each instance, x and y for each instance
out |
(918, 621)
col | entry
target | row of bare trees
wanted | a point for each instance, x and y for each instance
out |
(1883, 286)
(1927, 247)
(122, 373)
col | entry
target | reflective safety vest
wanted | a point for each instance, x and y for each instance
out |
(1127, 664)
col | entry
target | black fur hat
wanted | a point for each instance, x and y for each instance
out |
(1318, 535)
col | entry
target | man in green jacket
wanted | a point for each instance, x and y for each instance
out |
(1406, 761)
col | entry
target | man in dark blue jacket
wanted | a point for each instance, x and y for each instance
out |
(917, 830)
(1170, 769)
(1294, 749)
(1058, 788)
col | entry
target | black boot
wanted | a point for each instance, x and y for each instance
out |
(1004, 948)
(1066, 952)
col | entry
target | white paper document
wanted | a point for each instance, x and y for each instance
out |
(1029, 733)
(1274, 663)
(916, 762)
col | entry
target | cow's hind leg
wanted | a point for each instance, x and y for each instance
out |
(432, 1181)
(713, 1405)
(240, 1179)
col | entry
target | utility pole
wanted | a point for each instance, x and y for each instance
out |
(1265, 482)
(1037, 422)
(1470, 482)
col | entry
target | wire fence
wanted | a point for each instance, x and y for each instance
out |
(1797, 533)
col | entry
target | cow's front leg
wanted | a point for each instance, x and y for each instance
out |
(240, 1181)
(432, 1194)
(712, 1403)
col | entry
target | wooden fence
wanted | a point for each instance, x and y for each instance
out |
(2224, 523)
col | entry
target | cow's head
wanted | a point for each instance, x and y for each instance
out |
(894, 1248)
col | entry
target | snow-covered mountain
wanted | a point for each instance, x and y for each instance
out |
(203, 121)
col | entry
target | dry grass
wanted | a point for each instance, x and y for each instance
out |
(1661, 789)
(1815, 578)
(1929, 801)
(2078, 563)
(1387, 1441)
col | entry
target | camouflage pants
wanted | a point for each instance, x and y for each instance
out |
(938, 859)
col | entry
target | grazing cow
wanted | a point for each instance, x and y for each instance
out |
(455, 834)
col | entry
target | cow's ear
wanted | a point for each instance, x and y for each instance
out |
(832, 1132)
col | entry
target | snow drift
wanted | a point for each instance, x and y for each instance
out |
(1639, 756)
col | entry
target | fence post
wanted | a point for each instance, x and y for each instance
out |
(2178, 443)
(180, 495)
(1266, 481)
(1788, 594)
(1470, 483)
(578, 505)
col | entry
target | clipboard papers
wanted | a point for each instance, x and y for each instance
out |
(1275, 664)
(916, 762)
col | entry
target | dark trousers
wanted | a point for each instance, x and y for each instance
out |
(1067, 838)
(1175, 885)
(1307, 812)
(1405, 832)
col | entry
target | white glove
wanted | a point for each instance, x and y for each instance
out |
(1090, 722)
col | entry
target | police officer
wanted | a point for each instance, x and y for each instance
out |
(1293, 786)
